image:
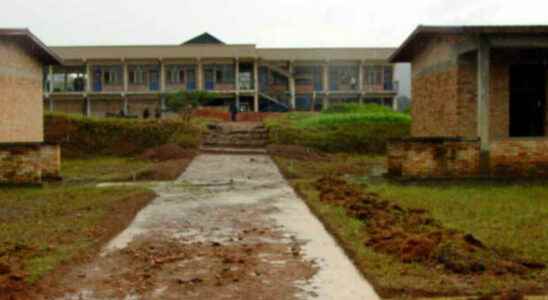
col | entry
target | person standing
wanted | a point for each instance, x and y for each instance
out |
(234, 109)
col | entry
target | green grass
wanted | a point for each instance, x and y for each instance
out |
(505, 216)
(43, 227)
(101, 169)
(510, 218)
(342, 128)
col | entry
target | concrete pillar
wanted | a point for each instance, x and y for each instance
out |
(51, 105)
(325, 73)
(50, 75)
(200, 75)
(360, 78)
(292, 92)
(125, 107)
(237, 75)
(88, 107)
(256, 85)
(88, 78)
(162, 77)
(484, 63)
(395, 104)
(65, 84)
(126, 78)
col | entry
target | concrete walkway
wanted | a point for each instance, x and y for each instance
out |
(230, 228)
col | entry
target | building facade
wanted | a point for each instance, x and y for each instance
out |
(102, 80)
(479, 102)
(23, 157)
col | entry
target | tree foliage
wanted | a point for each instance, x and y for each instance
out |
(185, 102)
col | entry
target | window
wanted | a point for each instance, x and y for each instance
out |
(374, 75)
(137, 76)
(303, 75)
(176, 75)
(224, 74)
(111, 76)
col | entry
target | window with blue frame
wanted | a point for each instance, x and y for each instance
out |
(112, 75)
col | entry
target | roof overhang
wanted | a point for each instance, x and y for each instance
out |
(31, 42)
(406, 51)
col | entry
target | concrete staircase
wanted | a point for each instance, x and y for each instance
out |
(236, 138)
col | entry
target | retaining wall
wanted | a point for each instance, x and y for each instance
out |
(29, 163)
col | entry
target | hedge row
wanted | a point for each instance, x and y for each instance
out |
(367, 131)
(79, 136)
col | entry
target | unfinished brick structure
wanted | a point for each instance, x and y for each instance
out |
(478, 82)
(101, 80)
(23, 158)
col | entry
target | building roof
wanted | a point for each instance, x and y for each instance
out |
(32, 43)
(324, 54)
(406, 51)
(204, 38)
(216, 51)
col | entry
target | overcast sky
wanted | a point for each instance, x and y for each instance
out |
(272, 23)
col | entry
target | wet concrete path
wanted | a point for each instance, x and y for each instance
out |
(229, 228)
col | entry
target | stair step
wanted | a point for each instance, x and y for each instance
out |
(231, 150)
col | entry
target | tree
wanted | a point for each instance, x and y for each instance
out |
(185, 103)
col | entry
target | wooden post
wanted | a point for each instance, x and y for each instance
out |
(256, 83)
(292, 92)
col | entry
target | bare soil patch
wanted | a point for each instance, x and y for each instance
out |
(167, 152)
(412, 236)
(13, 284)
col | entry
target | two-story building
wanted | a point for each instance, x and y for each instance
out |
(101, 80)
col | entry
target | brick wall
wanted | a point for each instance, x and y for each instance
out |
(21, 106)
(20, 164)
(519, 157)
(435, 157)
(50, 161)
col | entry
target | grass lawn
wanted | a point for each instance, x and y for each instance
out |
(104, 168)
(42, 228)
(509, 218)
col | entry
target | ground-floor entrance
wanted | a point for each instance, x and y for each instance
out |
(527, 100)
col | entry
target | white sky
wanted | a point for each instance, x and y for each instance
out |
(267, 23)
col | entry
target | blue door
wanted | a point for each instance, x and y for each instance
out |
(210, 79)
(317, 78)
(154, 83)
(97, 84)
(191, 80)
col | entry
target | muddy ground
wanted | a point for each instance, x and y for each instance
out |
(229, 228)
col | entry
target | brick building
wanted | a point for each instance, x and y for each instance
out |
(23, 158)
(479, 102)
(98, 80)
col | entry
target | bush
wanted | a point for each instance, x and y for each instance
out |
(79, 136)
(342, 128)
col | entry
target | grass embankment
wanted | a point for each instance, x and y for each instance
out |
(44, 228)
(81, 136)
(341, 128)
(510, 220)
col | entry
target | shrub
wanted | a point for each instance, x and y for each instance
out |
(342, 128)
(79, 136)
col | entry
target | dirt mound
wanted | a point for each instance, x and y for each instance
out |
(413, 236)
(294, 152)
(167, 152)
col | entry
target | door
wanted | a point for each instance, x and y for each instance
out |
(191, 80)
(209, 79)
(154, 83)
(97, 76)
(527, 100)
